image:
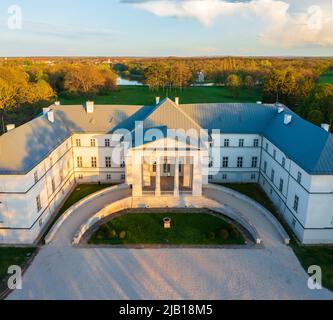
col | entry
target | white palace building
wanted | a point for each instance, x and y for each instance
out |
(166, 148)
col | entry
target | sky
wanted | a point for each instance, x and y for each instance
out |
(166, 28)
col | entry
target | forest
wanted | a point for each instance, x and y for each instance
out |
(28, 84)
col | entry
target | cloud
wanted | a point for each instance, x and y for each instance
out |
(280, 25)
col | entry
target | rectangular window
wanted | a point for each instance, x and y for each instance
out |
(241, 143)
(281, 185)
(283, 162)
(78, 142)
(256, 143)
(38, 203)
(224, 177)
(272, 175)
(226, 143)
(210, 177)
(36, 177)
(253, 176)
(79, 162)
(80, 176)
(296, 203)
(240, 162)
(299, 177)
(53, 186)
(254, 162)
(108, 162)
(180, 168)
(265, 167)
(108, 177)
(225, 162)
(166, 168)
(154, 167)
(107, 142)
(211, 164)
(93, 162)
(274, 154)
(122, 165)
(92, 142)
(51, 162)
(267, 147)
(123, 177)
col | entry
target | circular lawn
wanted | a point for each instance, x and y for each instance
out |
(187, 228)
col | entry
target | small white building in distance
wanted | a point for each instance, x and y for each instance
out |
(167, 148)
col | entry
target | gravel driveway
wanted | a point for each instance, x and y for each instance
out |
(61, 271)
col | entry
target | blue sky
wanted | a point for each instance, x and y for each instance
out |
(169, 27)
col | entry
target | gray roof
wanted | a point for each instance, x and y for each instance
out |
(306, 144)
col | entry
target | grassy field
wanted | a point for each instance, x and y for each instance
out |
(141, 95)
(307, 255)
(187, 229)
(326, 78)
(9, 257)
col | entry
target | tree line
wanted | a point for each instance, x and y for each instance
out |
(26, 88)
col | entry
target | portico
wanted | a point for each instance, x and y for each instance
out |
(165, 172)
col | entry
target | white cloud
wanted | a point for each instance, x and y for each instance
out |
(280, 25)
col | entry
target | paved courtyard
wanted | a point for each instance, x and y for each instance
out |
(61, 271)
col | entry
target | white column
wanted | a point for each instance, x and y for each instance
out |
(137, 179)
(176, 188)
(158, 177)
(197, 177)
(146, 173)
(187, 176)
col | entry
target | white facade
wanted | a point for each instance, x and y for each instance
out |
(29, 200)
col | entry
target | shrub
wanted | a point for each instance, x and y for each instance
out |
(122, 235)
(224, 234)
(113, 234)
(105, 230)
(211, 235)
(234, 233)
(99, 235)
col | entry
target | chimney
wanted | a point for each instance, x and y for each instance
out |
(57, 103)
(50, 116)
(10, 127)
(287, 119)
(177, 101)
(46, 110)
(90, 106)
(158, 99)
(326, 127)
(280, 109)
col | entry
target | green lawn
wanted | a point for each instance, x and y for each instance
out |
(326, 78)
(12, 256)
(199, 228)
(141, 95)
(307, 255)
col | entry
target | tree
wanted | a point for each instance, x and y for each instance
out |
(83, 79)
(233, 81)
(248, 82)
(180, 75)
(157, 76)
(318, 106)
